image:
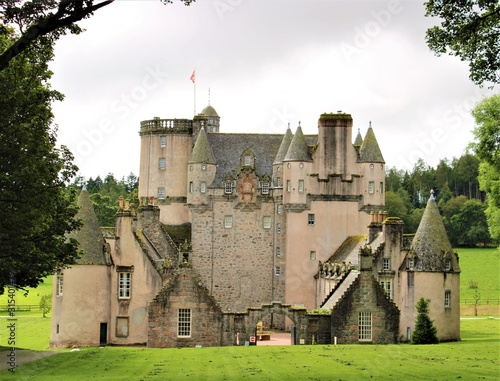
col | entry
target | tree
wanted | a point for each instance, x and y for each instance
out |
(43, 22)
(37, 212)
(395, 206)
(469, 227)
(46, 304)
(469, 29)
(425, 331)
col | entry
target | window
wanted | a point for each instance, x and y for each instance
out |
(203, 187)
(228, 189)
(310, 219)
(163, 141)
(184, 322)
(279, 208)
(59, 284)
(411, 279)
(387, 286)
(228, 222)
(191, 187)
(411, 263)
(277, 270)
(124, 285)
(266, 222)
(312, 255)
(162, 163)
(386, 263)
(279, 182)
(365, 326)
(447, 299)
(161, 193)
(381, 187)
(278, 252)
(278, 228)
(301, 185)
(121, 326)
(371, 187)
(288, 185)
(265, 188)
(447, 264)
(248, 160)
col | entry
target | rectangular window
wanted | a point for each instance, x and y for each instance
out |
(163, 141)
(278, 252)
(266, 222)
(124, 285)
(386, 263)
(162, 163)
(312, 255)
(277, 270)
(161, 193)
(121, 326)
(248, 160)
(279, 208)
(184, 322)
(228, 189)
(191, 187)
(387, 285)
(411, 263)
(371, 187)
(411, 279)
(447, 264)
(228, 222)
(310, 219)
(365, 326)
(265, 188)
(301, 185)
(203, 187)
(279, 182)
(447, 299)
(381, 187)
(288, 185)
(59, 284)
(278, 228)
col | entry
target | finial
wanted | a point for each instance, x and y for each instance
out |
(370, 125)
(299, 123)
(433, 198)
(209, 96)
(288, 125)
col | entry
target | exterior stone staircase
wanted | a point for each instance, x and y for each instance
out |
(337, 293)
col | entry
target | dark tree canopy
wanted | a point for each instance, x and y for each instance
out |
(37, 212)
(470, 29)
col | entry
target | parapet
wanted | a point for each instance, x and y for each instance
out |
(157, 126)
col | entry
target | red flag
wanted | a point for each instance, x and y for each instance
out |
(193, 77)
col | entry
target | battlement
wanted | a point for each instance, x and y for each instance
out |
(157, 126)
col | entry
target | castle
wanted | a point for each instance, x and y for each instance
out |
(233, 229)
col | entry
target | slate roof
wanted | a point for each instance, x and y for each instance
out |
(358, 142)
(202, 153)
(89, 237)
(285, 144)
(228, 147)
(430, 246)
(370, 151)
(298, 150)
(209, 111)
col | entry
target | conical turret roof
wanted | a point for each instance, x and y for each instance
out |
(358, 142)
(202, 152)
(285, 144)
(89, 237)
(369, 150)
(431, 247)
(298, 150)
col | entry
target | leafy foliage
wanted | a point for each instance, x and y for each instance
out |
(37, 212)
(469, 29)
(45, 304)
(425, 331)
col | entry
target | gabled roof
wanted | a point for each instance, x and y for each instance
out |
(202, 152)
(298, 150)
(89, 237)
(369, 151)
(431, 247)
(285, 144)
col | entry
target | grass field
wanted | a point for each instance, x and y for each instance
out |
(475, 357)
(33, 296)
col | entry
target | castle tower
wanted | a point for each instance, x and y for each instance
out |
(201, 170)
(372, 170)
(83, 318)
(431, 271)
(207, 119)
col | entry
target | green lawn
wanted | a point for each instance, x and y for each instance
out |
(483, 267)
(475, 357)
(33, 296)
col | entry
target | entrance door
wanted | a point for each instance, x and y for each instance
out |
(103, 336)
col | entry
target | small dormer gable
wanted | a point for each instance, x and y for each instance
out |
(247, 159)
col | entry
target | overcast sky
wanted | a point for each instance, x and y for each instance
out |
(267, 63)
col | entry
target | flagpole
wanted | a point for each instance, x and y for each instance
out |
(194, 87)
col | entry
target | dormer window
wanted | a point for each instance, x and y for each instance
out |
(247, 158)
(228, 188)
(447, 264)
(411, 263)
(265, 188)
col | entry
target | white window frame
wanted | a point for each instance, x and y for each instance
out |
(365, 326)
(278, 251)
(447, 299)
(228, 222)
(203, 187)
(247, 160)
(277, 270)
(371, 187)
(161, 193)
(301, 186)
(447, 264)
(191, 187)
(279, 208)
(162, 163)
(184, 317)
(228, 187)
(312, 255)
(311, 219)
(163, 141)
(265, 188)
(288, 185)
(59, 284)
(124, 285)
(386, 263)
(266, 222)
(279, 182)
(278, 228)
(387, 286)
